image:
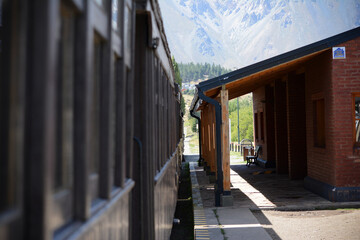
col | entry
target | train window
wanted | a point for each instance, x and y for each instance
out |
(63, 182)
(1, 29)
(65, 101)
(128, 165)
(113, 115)
(163, 82)
(95, 117)
(100, 2)
(127, 31)
(0, 13)
(115, 14)
(157, 119)
(7, 167)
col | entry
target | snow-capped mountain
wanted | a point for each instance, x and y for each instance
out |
(237, 33)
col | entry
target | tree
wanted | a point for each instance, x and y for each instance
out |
(178, 80)
(245, 118)
(193, 72)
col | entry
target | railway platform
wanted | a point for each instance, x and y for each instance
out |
(253, 189)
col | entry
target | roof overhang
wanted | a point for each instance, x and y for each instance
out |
(253, 81)
(247, 79)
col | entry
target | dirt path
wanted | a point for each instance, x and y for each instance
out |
(190, 149)
(324, 224)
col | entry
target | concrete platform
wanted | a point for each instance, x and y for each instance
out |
(253, 188)
(222, 223)
(240, 223)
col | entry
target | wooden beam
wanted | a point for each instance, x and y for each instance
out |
(214, 138)
(211, 117)
(225, 151)
(203, 139)
(249, 83)
(206, 136)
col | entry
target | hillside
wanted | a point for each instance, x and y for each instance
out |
(195, 71)
(236, 33)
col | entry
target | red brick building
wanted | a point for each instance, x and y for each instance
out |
(306, 113)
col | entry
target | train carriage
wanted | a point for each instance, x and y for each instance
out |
(90, 121)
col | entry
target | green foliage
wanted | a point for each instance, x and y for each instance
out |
(193, 126)
(245, 118)
(182, 104)
(178, 80)
(189, 92)
(192, 123)
(193, 72)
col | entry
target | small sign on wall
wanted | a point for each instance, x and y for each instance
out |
(339, 52)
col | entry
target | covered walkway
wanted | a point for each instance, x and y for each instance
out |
(259, 188)
(306, 109)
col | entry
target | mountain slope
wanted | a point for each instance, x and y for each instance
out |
(238, 33)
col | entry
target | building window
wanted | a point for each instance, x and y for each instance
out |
(256, 128)
(319, 122)
(214, 136)
(356, 119)
(209, 138)
(262, 129)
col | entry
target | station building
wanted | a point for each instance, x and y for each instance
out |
(306, 106)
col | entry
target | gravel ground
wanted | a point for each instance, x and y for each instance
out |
(324, 224)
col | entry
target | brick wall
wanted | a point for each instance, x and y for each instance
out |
(336, 163)
(334, 80)
(345, 81)
(321, 165)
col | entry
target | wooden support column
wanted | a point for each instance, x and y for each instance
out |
(225, 151)
(212, 139)
(207, 139)
(203, 140)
